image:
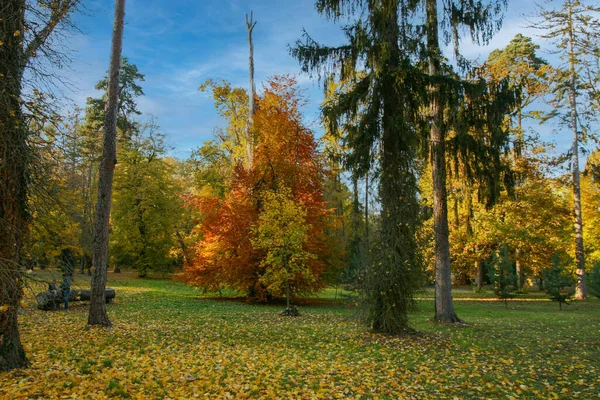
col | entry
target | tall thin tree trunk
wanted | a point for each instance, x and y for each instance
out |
(87, 218)
(287, 284)
(581, 290)
(367, 210)
(519, 269)
(518, 153)
(250, 24)
(444, 308)
(98, 315)
(456, 216)
(14, 160)
(520, 139)
(340, 205)
(287, 293)
(355, 198)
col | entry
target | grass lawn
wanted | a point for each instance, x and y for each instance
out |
(170, 342)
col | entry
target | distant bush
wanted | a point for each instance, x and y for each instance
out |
(502, 275)
(559, 279)
(593, 280)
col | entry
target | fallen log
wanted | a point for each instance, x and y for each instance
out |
(53, 299)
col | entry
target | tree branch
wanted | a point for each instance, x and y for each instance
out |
(59, 12)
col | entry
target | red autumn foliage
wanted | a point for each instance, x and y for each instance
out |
(285, 154)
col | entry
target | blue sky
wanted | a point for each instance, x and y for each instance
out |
(178, 44)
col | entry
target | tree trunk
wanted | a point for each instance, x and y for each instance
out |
(519, 269)
(183, 246)
(479, 269)
(142, 267)
(250, 24)
(86, 236)
(14, 160)
(479, 266)
(581, 290)
(456, 216)
(98, 315)
(444, 308)
(394, 276)
(287, 292)
(52, 299)
(340, 206)
(367, 210)
(518, 153)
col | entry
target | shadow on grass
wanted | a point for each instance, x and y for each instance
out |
(279, 302)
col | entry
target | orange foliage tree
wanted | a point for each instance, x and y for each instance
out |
(285, 155)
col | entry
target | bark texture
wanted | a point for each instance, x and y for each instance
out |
(97, 314)
(14, 161)
(519, 270)
(17, 49)
(581, 290)
(444, 308)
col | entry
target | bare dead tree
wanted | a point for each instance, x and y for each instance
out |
(98, 314)
(250, 24)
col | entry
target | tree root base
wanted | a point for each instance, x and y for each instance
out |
(448, 319)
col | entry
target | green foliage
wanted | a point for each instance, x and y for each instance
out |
(211, 167)
(386, 87)
(146, 206)
(558, 279)
(58, 194)
(349, 225)
(593, 280)
(129, 90)
(572, 28)
(379, 107)
(231, 103)
(148, 221)
(502, 274)
(590, 199)
(282, 234)
(519, 63)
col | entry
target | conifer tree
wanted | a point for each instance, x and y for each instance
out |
(558, 280)
(573, 28)
(594, 280)
(127, 108)
(384, 110)
(520, 64)
(503, 275)
(382, 98)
